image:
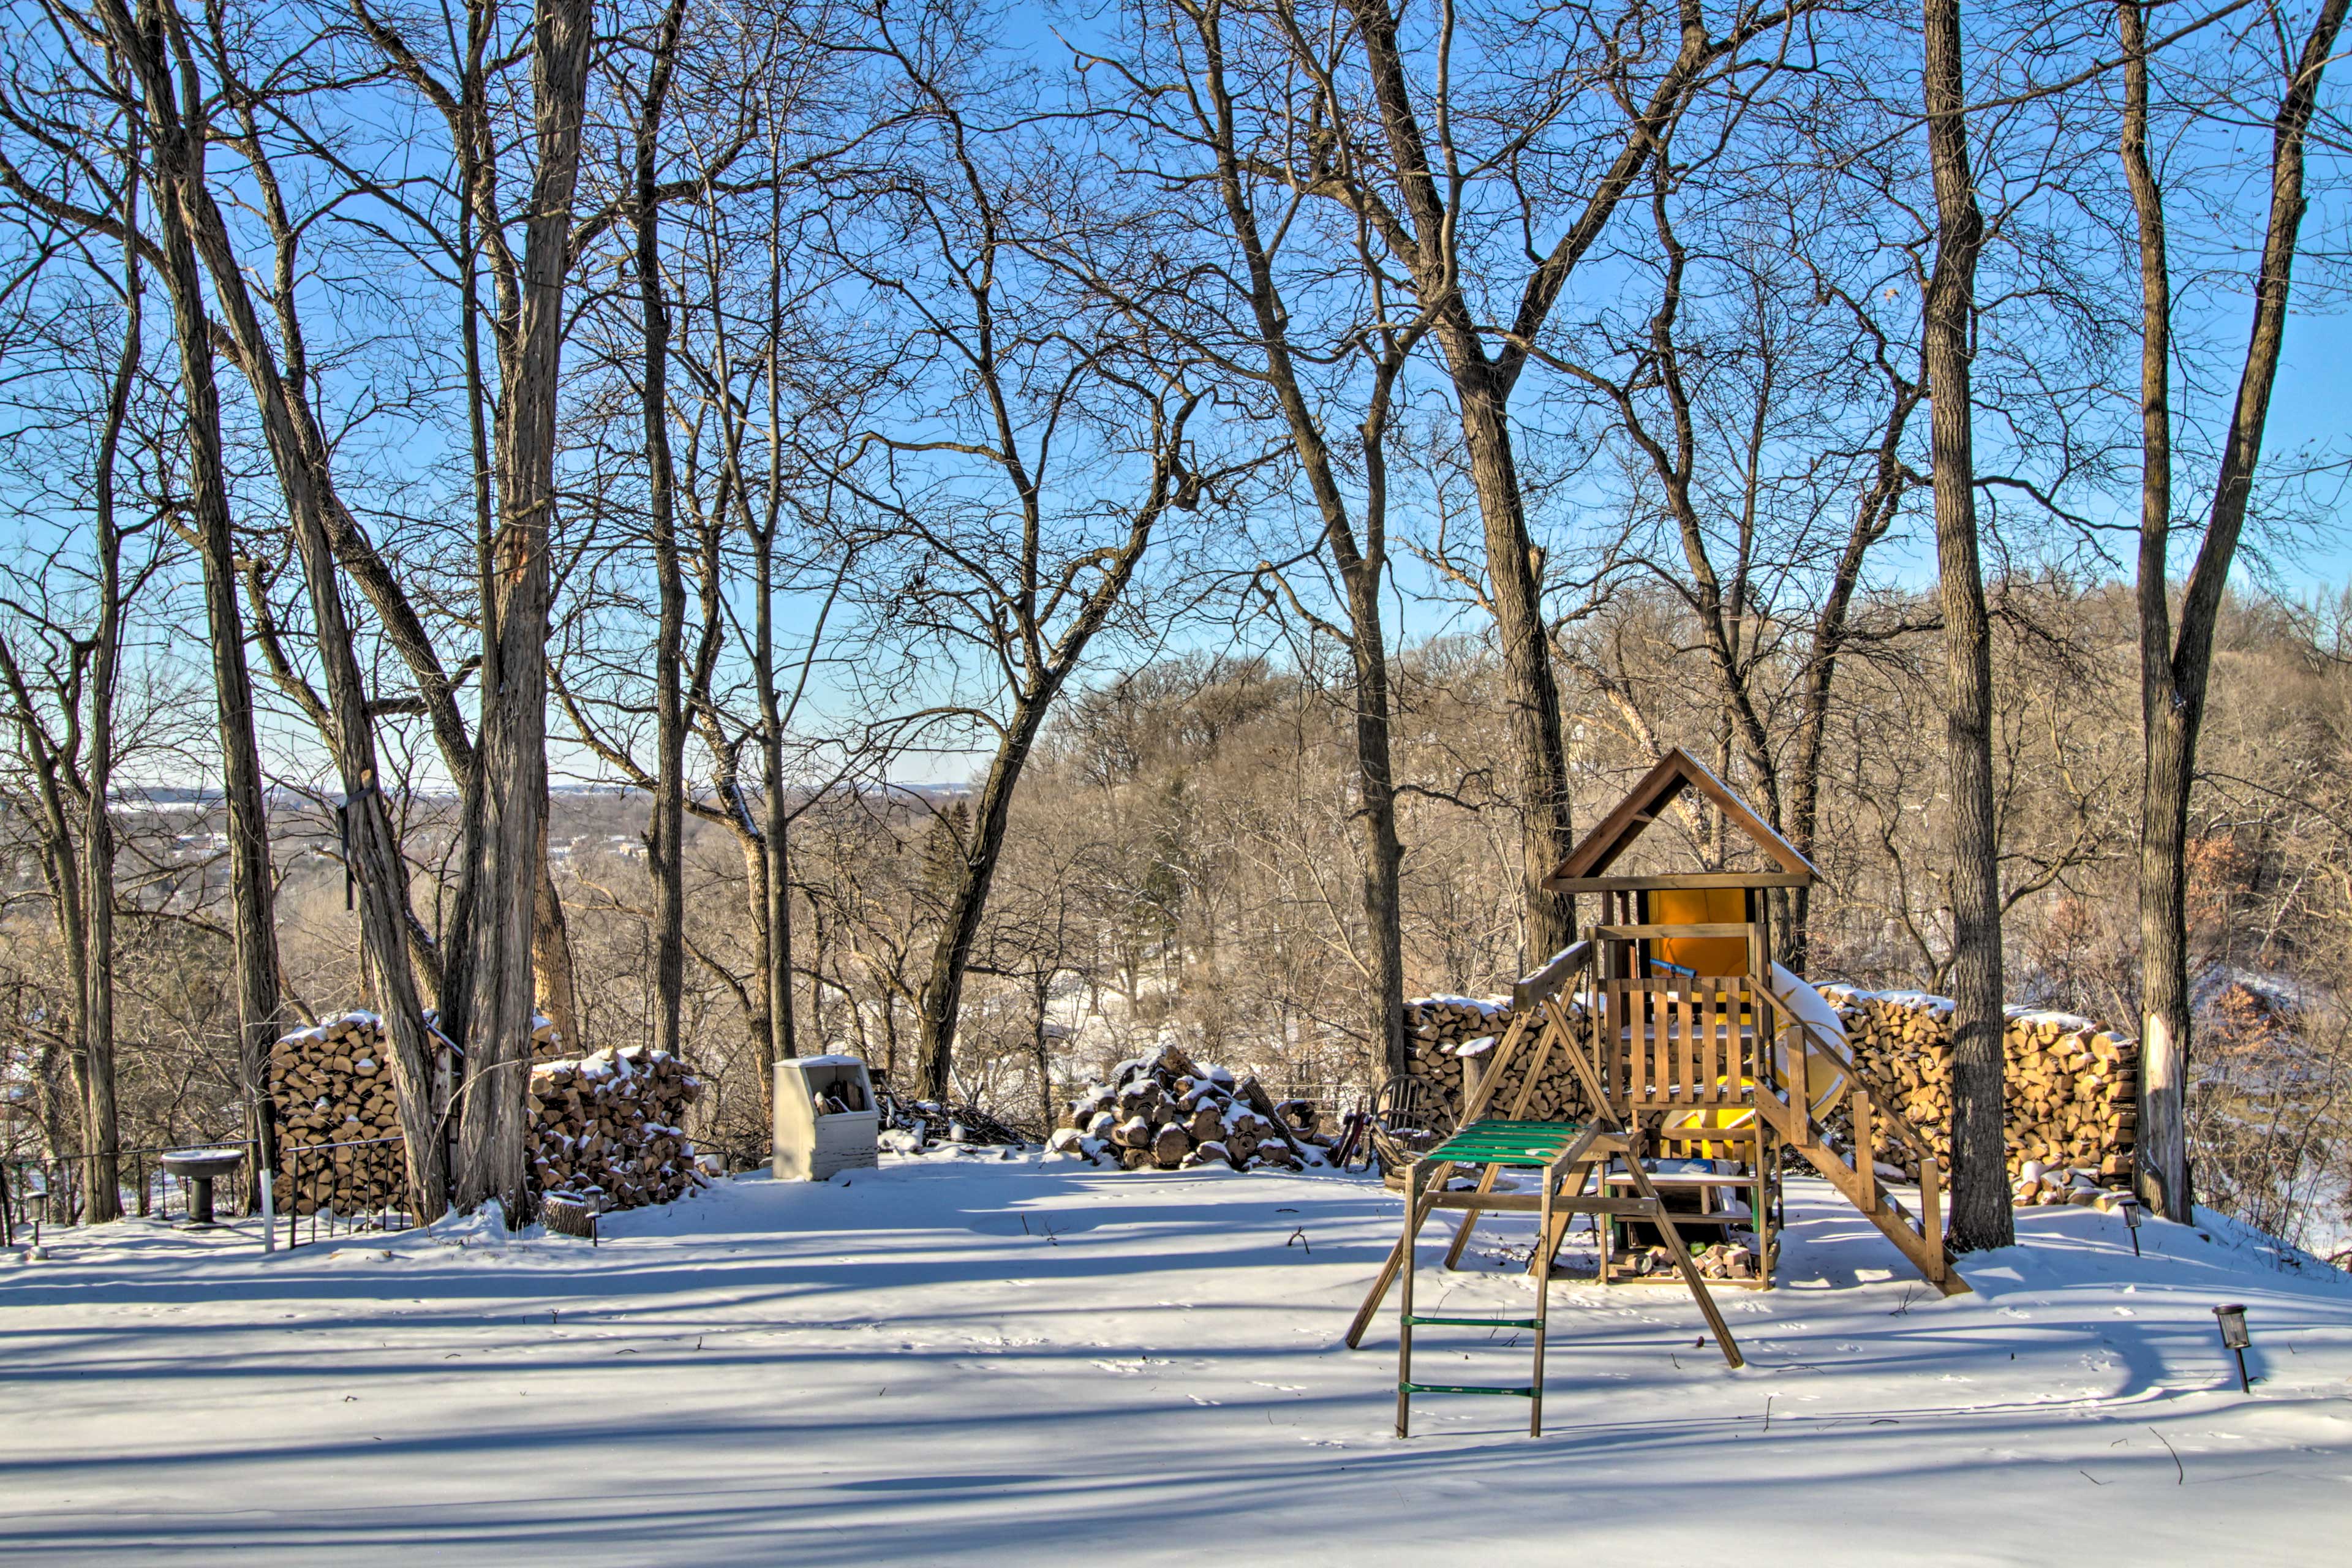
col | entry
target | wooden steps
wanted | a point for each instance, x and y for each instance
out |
(1919, 1237)
(1919, 1243)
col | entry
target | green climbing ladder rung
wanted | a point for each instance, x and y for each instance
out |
(1527, 1393)
(1475, 1322)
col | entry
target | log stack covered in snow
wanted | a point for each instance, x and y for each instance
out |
(612, 1126)
(2073, 1085)
(1447, 1032)
(333, 1085)
(1170, 1113)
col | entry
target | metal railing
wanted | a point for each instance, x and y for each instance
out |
(65, 1181)
(295, 1154)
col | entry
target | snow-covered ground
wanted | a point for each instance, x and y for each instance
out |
(963, 1358)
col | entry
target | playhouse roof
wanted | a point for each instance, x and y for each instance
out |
(1676, 772)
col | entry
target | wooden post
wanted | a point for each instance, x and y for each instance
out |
(1866, 1167)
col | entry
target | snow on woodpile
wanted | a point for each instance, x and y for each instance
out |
(612, 1127)
(1447, 1032)
(1451, 1021)
(2073, 1085)
(1170, 1113)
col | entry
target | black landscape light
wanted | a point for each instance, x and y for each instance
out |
(2233, 1319)
(2130, 1205)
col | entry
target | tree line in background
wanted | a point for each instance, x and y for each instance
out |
(1295, 457)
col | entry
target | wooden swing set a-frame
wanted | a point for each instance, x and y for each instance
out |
(1568, 1157)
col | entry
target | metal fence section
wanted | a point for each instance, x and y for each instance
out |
(59, 1188)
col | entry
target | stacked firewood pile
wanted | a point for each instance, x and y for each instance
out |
(2073, 1085)
(1170, 1114)
(611, 1126)
(1442, 1023)
(1440, 1026)
(333, 1085)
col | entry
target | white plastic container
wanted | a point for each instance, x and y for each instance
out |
(825, 1118)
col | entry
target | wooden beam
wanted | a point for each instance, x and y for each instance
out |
(1609, 838)
(1547, 981)
(1681, 880)
(1674, 772)
(1634, 934)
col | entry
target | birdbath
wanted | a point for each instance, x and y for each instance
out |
(203, 1167)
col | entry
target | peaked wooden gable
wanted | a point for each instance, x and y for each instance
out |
(1676, 772)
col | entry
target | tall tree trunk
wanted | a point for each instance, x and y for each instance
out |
(2175, 666)
(940, 1001)
(174, 165)
(459, 947)
(1362, 566)
(776, 883)
(1530, 690)
(61, 870)
(1482, 391)
(2163, 1172)
(98, 833)
(668, 835)
(513, 729)
(776, 887)
(1980, 1197)
(192, 226)
(1041, 988)
(1383, 854)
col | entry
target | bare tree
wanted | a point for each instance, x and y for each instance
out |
(1415, 179)
(1980, 1196)
(1760, 395)
(1229, 125)
(2176, 659)
(1078, 432)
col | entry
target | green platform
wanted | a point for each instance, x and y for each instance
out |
(1496, 1142)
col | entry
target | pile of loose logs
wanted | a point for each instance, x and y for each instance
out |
(2073, 1086)
(1169, 1114)
(612, 1127)
(332, 1087)
(1721, 1260)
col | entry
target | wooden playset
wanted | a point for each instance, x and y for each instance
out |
(1691, 1042)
